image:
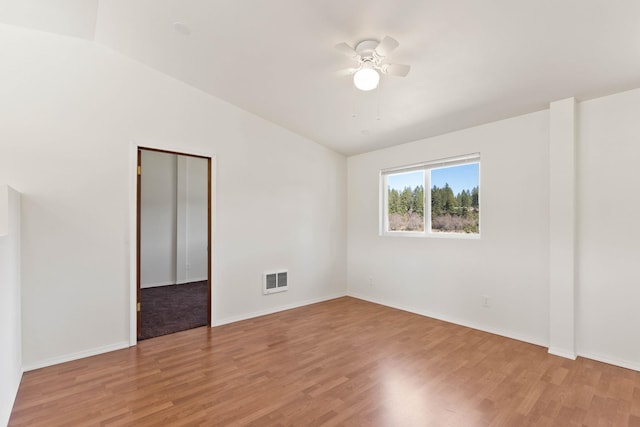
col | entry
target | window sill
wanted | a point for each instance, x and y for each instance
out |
(461, 236)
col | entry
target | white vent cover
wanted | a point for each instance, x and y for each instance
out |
(275, 281)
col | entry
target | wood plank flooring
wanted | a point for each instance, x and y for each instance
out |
(343, 362)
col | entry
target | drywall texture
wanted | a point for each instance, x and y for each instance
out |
(70, 109)
(447, 278)
(10, 319)
(608, 154)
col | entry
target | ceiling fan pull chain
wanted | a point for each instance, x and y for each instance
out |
(378, 102)
(353, 102)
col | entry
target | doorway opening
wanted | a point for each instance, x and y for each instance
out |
(173, 241)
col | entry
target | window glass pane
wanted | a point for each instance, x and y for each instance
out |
(455, 203)
(405, 202)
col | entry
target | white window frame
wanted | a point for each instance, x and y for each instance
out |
(426, 167)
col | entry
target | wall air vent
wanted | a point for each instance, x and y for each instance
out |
(275, 281)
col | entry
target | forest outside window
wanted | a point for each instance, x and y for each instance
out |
(450, 209)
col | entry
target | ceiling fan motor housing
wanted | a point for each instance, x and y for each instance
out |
(367, 48)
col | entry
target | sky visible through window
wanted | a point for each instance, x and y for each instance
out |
(463, 177)
(402, 180)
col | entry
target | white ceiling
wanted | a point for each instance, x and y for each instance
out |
(472, 61)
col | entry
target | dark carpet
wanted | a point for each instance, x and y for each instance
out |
(173, 308)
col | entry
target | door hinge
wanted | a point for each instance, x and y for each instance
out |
(139, 170)
(138, 307)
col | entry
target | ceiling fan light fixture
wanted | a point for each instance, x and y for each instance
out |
(371, 56)
(366, 78)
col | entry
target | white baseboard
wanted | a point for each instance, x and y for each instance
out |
(125, 344)
(246, 316)
(501, 332)
(635, 366)
(562, 353)
(156, 284)
(75, 356)
(7, 407)
(172, 282)
(508, 334)
(190, 280)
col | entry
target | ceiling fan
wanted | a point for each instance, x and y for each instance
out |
(371, 56)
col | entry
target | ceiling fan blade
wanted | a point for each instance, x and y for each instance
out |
(346, 71)
(386, 46)
(400, 70)
(347, 50)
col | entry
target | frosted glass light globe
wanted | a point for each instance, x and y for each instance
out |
(366, 79)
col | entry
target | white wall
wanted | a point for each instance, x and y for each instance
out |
(192, 210)
(158, 219)
(70, 109)
(10, 304)
(446, 278)
(608, 231)
(562, 219)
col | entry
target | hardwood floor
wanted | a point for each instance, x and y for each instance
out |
(341, 362)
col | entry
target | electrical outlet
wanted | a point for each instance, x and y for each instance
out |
(370, 281)
(486, 302)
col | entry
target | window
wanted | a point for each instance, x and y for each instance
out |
(450, 208)
(405, 206)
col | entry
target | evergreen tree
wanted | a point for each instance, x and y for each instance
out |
(436, 201)
(449, 200)
(464, 201)
(393, 200)
(457, 213)
(418, 200)
(475, 201)
(406, 201)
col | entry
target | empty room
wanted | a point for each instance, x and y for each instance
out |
(319, 213)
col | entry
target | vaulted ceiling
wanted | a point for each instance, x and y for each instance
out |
(472, 61)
